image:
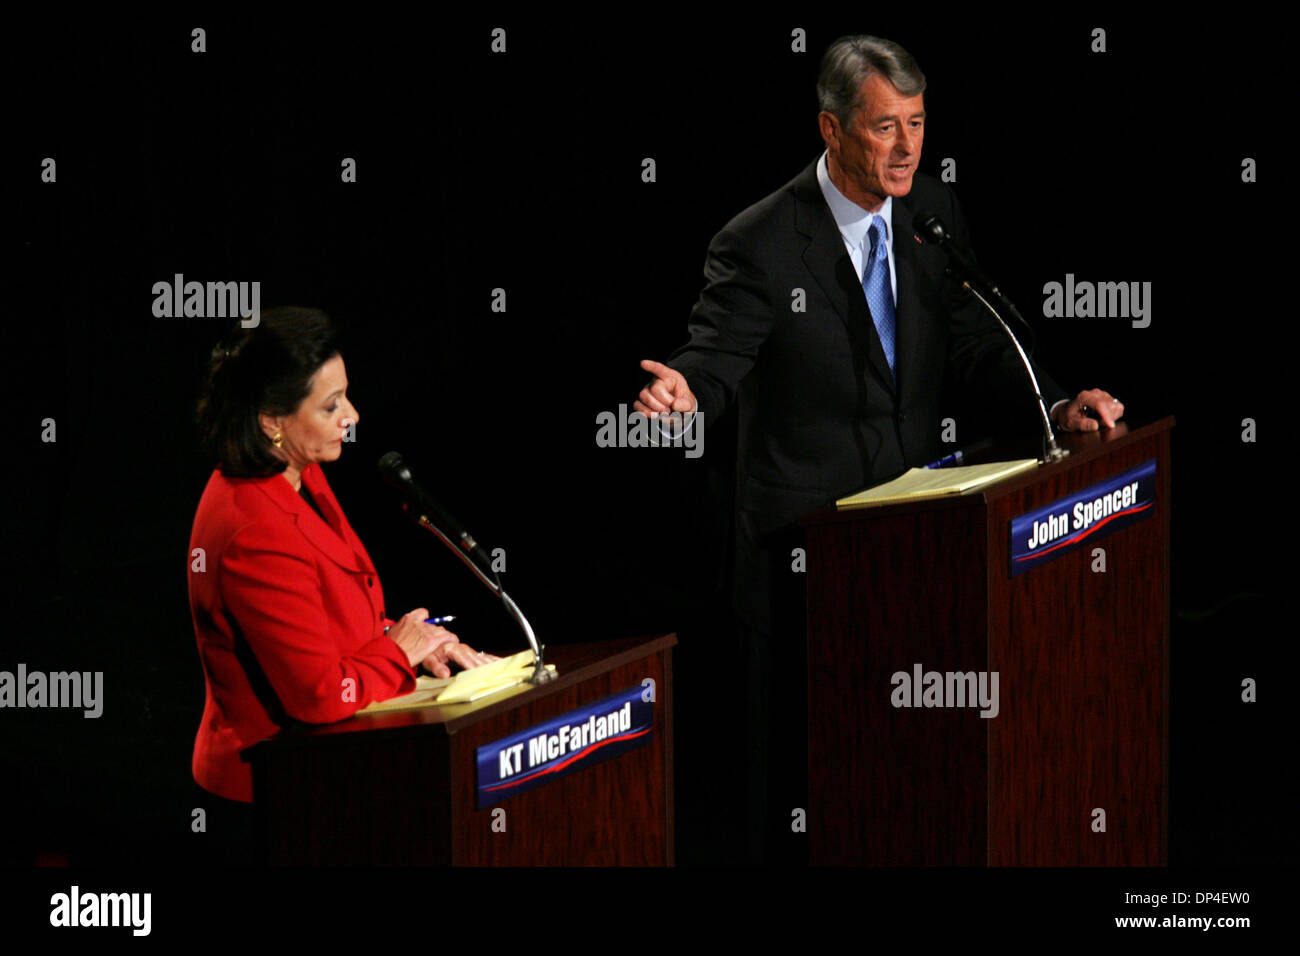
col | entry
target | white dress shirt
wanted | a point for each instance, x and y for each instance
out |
(855, 224)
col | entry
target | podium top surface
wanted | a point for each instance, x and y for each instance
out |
(574, 664)
(1082, 446)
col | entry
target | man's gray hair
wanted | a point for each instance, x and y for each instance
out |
(850, 60)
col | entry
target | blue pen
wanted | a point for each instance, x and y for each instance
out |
(954, 459)
(445, 619)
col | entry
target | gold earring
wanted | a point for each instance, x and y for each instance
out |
(278, 440)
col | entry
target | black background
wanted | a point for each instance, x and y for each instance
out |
(523, 171)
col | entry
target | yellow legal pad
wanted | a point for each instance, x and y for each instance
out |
(921, 483)
(465, 686)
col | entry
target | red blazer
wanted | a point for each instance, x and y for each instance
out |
(289, 616)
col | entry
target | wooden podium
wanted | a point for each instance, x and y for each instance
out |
(1081, 739)
(399, 787)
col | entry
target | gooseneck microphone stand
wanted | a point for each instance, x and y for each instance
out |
(961, 266)
(540, 674)
(1051, 450)
(418, 505)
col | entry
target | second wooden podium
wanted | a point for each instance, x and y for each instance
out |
(1071, 765)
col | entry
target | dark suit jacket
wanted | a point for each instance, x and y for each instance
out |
(820, 415)
(286, 609)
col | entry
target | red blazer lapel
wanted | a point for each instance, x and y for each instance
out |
(339, 543)
(314, 478)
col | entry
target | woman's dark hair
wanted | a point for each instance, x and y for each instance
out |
(267, 368)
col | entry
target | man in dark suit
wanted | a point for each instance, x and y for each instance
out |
(832, 326)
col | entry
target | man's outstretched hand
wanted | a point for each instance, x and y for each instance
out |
(1073, 415)
(667, 392)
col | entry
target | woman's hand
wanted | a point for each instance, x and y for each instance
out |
(433, 646)
(418, 640)
(455, 652)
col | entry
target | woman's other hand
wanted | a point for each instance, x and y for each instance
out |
(417, 639)
(433, 646)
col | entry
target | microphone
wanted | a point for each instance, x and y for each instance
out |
(397, 473)
(930, 227)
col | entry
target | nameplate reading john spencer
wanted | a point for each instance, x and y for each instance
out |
(1056, 529)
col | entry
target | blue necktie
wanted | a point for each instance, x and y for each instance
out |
(875, 283)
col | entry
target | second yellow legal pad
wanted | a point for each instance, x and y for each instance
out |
(921, 483)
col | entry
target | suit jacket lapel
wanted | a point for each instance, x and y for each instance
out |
(314, 477)
(829, 262)
(328, 539)
(906, 331)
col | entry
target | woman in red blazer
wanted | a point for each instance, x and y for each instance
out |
(288, 609)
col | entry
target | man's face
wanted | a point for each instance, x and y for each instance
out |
(877, 155)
